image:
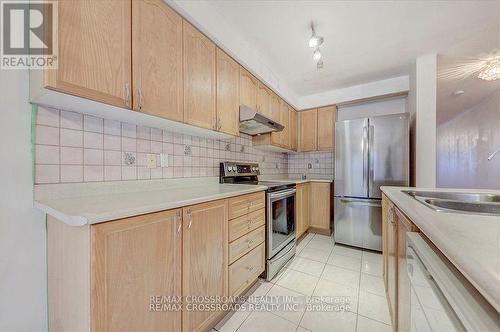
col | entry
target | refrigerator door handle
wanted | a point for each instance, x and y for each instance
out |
(365, 160)
(371, 158)
(364, 202)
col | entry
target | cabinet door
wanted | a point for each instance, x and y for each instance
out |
(293, 129)
(134, 259)
(285, 121)
(392, 263)
(274, 107)
(157, 59)
(307, 206)
(248, 89)
(263, 100)
(94, 51)
(228, 94)
(308, 130)
(403, 283)
(326, 127)
(320, 206)
(205, 259)
(385, 239)
(199, 78)
(299, 211)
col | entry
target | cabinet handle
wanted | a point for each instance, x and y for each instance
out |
(220, 124)
(126, 89)
(190, 218)
(178, 219)
(141, 100)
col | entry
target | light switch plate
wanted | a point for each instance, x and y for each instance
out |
(151, 160)
(163, 160)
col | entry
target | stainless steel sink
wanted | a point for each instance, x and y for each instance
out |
(458, 202)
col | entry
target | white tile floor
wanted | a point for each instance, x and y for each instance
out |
(320, 269)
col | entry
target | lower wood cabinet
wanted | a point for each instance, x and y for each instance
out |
(320, 207)
(246, 270)
(132, 260)
(395, 225)
(115, 276)
(302, 211)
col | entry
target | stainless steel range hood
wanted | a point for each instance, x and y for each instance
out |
(253, 123)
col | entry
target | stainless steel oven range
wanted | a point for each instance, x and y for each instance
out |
(280, 212)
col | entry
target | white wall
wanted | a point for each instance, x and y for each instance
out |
(366, 90)
(425, 111)
(22, 228)
(464, 144)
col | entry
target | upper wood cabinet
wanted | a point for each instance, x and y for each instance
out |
(228, 94)
(275, 107)
(157, 59)
(308, 121)
(293, 129)
(248, 89)
(94, 59)
(132, 260)
(285, 121)
(199, 62)
(326, 127)
(205, 260)
(264, 100)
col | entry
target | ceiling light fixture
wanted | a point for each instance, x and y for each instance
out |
(491, 71)
(317, 55)
(315, 42)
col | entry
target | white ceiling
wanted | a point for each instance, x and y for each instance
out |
(364, 40)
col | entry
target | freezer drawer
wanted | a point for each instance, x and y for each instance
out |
(358, 222)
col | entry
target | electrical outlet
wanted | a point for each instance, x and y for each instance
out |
(151, 160)
(163, 160)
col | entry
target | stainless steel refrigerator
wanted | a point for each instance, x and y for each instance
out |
(369, 153)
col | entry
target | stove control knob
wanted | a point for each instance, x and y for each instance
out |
(233, 168)
(229, 168)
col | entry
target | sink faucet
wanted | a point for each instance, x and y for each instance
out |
(493, 154)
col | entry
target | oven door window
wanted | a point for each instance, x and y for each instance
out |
(283, 221)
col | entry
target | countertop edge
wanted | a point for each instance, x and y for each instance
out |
(82, 220)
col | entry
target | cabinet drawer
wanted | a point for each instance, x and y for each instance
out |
(246, 223)
(244, 204)
(246, 269)
(247, 242)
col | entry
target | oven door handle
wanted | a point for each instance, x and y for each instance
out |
(282, 194)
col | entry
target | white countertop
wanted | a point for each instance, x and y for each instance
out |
(90, 203)
(470, 242)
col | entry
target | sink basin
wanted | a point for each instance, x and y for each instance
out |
(458, 202)
(476, 208)
(461, 197)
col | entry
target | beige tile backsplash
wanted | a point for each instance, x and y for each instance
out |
(71, 147)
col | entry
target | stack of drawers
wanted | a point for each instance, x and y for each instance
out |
(247, 249)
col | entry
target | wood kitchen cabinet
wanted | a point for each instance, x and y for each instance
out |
(308, 121)
(205, 259)
(228, 94)
(157, 59)
(395, 225)
(264, 100)
(275, 108)
(248, 89)
(134, 259)
(94, 59)
(199, 69)
(320, 207)
(285, 121)
(390, 258)
(404, 287)
(302, 209)
(293, 129)
(326, 128)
